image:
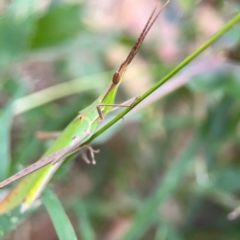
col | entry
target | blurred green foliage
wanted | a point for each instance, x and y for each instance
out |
(57, 25)
(172, 171)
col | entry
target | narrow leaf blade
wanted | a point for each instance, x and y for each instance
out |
(6, 122)
(58, 216)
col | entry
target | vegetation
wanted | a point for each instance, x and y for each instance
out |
(170, 169)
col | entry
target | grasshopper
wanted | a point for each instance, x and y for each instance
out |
(35, 177)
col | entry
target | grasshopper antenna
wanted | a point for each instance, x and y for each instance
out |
(118, 74)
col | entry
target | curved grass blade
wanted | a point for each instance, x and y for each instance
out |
(58, 216)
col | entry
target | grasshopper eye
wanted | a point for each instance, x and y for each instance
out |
(116, 78)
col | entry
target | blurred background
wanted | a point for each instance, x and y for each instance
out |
(171, 169)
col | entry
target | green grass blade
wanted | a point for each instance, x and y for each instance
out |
(149, 209)
(6, 122)
(162, 232)
(85, 228)
(165, 231)
(61, 90)
(58, 216)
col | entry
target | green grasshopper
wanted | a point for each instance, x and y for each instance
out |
(35, 177)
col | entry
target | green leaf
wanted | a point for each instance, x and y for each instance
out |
(228, 179)
(56, 26)
(14, 37)
(58, 216)
(12, 219)
(23, 8)
(6, 122)
(85, 227)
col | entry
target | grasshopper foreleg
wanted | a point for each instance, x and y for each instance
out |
(115, 106)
